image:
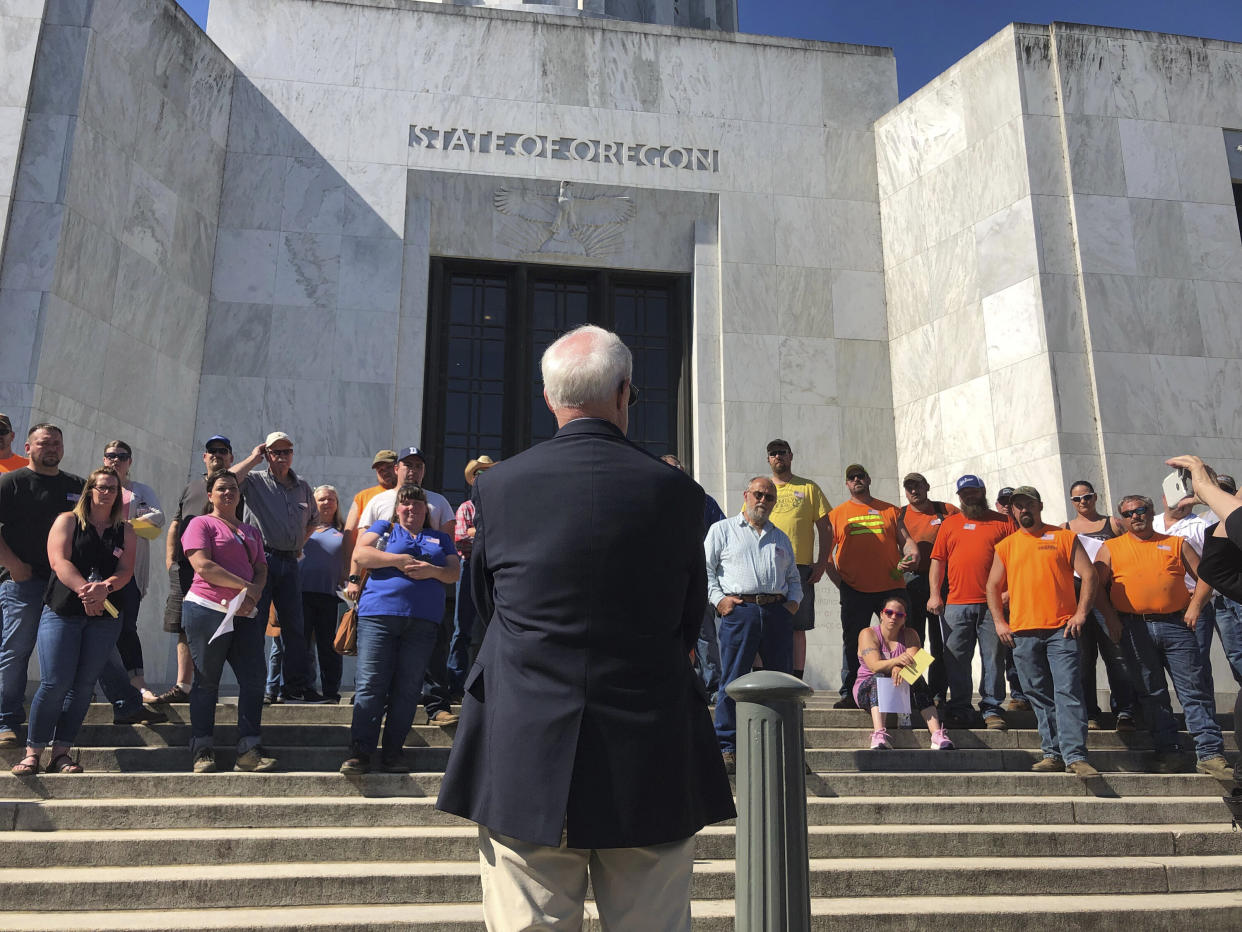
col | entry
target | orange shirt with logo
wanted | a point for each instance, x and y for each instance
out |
(1040, 571)
(864, 545)
(12, 462)
(1148, 575)
(923, 528)
(966, 547)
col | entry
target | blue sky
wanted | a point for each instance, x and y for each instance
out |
(930, 35)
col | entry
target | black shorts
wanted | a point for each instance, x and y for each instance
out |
(804, 617)
(179, 578)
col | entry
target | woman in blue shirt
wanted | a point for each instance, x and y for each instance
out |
(399, 614)
(322, 571)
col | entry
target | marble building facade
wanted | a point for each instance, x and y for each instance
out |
(1029, 269)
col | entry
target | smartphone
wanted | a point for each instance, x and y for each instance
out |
(1177, 486)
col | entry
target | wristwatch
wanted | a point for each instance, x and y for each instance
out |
(354, 578)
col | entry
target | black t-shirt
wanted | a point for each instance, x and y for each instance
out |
(194, 503)
(29, 504)
(1220, 566)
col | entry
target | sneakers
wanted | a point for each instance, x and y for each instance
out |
(254, 761)
(940, 741)
(444, 718)
(8, 738)
(307, 695)
(205, 761)
(879, 740)
(140, 716)
(1165, 762)
(730, 761)
(357, 765)
(1125, 721)
(176, 694)
(272, 699)
(995, 723)
(1216, 767)
(1049, 765)
(1017, 705)
(1083, 770)
(845, 702)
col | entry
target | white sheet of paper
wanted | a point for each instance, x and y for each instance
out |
(234, 606)
(893, 697)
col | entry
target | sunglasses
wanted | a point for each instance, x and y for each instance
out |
(761, 496)
(779, 453)
(894, 613)
(116, 455)
(106, 489)
(219, 451)
(281, 454)
(855, 476)
(1090, 496)
(1141, 510)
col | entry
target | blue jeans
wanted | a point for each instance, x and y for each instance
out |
(745, 632)
(463, 631)
(72, 651)
(1094, 642)
(1151, 647)
(857, 610)
(115, 685)
(393, 651)
(243, 650)
(1051, 670)
(965, 626)
(284, 588)
(707, 652)
(22, 604)
(1011, 676)
(1223, 615)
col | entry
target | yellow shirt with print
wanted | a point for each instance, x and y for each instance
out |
(799, 504)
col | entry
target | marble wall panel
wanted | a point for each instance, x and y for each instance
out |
(194, 237)
(238, 339)
(1054, 233)
(967, 430)
(1096, 162)
(327, 36)
(147, 225)
(905, 295)
(30, 253)
(919, 434)
(1203, 85)
(298, 336)
(998, 171)
(308, 269)
(961, 352)
(1039, 85)
(928, 129)
(18, 40)
(862, 374)
(815, 434)
(867, 437)
(314, 198)
(903, 237)
(851, 236)
(412, 335)
(858, 310)
(19, 319)
(1023, 407)
(858, 89)
(1062, 304)
(69, 338)
(1212, 241)
(793, 86)
(86, 266)
(1044, 155)
(1160, 237)
(59, 64)
(41, 173)
(142, 297)
(630, 73)
(908, 357)
(751, 424)
(370, 424)
(1075, 397)
(1109, 76)
(110, 95)
(364, 347)
(751, 367)
(1218, 304)
(98, 179)
(1202, 164)
(749, 298)
(1150, 159)
(808, 371)
(374, 202)
(804, 301)
(991, 95)
(1143, 315)
(1186, 391)
(1105, 234)
(952, 270)
(747, 232)
(245, 266)
(370, 274)
(1013, 321)
(1005, 247)
(850, 165)
(1123, 387)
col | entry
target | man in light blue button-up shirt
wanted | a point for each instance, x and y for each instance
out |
(753, 582)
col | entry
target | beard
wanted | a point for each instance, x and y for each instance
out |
(1027, 520)
(48, 459)
(975, 510)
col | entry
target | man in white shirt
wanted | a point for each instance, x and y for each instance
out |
(753, 581)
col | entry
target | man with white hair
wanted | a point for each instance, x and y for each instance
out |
(585, 744)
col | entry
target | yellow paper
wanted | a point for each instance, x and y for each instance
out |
(922, 660)
(111, 609)
(145, 529)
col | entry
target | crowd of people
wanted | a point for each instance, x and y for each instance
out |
(254, 551)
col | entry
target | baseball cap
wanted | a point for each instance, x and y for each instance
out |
(778, 445)
(970, 481)
(276, 436)
(1027, 491)
(6, 423)
(1228, 483)
(1006, 492)
(411, 451)
(855, 467)
(218, 438)
(913, 477)
(384, 456)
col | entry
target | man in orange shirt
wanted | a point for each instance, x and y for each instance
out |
(870, 553)
(1142, 579)
(9, 460)
(385, 465)
(965, 549)
(1037, 564)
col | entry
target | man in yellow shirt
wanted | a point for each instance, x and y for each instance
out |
(1142, 578)
(801, 512)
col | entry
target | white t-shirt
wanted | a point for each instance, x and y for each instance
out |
(1191, 529)
(381, 508)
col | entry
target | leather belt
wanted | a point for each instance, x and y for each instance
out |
(1154, 616)
(286, 554)
(760, 598)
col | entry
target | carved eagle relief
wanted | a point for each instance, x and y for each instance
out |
(562, 224)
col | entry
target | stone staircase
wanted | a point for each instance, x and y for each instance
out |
(900, 839)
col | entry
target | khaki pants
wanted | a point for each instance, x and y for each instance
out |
(535, 888)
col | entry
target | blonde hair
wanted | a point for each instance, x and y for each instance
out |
(336, 515)
(81, 510)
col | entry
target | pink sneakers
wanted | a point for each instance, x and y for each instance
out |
(879, 740)
(940, 741)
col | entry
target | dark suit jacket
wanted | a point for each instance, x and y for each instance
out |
(582, 710)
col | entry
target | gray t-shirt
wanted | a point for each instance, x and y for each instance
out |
(283, 514)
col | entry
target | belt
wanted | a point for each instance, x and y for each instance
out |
(761, 598)
(1155, 616)
(287, 554)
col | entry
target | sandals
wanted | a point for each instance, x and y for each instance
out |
(63, 763)
(28, 766)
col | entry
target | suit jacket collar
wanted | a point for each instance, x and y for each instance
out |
(591, 425)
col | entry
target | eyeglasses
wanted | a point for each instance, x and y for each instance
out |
(281, 453)
(4, 431)
(1090, 496)
(106, 489)
(894, 613)
(779, 453)
(219, 451)
(116, 455)
(761, 496)
(633, 395)
(1140, 510)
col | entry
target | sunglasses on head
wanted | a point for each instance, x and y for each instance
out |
(1082, 498)
(894, 613)
(1140, 510)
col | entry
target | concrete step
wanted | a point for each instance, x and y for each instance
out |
(118, 786)
(181, 846)
(1207, 912)
(211, 886)
(311, 811)
(434, 759)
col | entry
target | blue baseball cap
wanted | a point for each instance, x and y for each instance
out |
(218, 438)
(411, 451)
(969, 482)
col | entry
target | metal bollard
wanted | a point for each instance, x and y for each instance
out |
(773, 885)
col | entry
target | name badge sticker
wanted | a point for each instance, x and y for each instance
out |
(872, 511)
(72, 496)
(1164, 547)
(968, 527)
(935, 520)
(117, 552)
(1046, 537)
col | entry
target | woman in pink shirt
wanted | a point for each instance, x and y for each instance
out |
(227, 557)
